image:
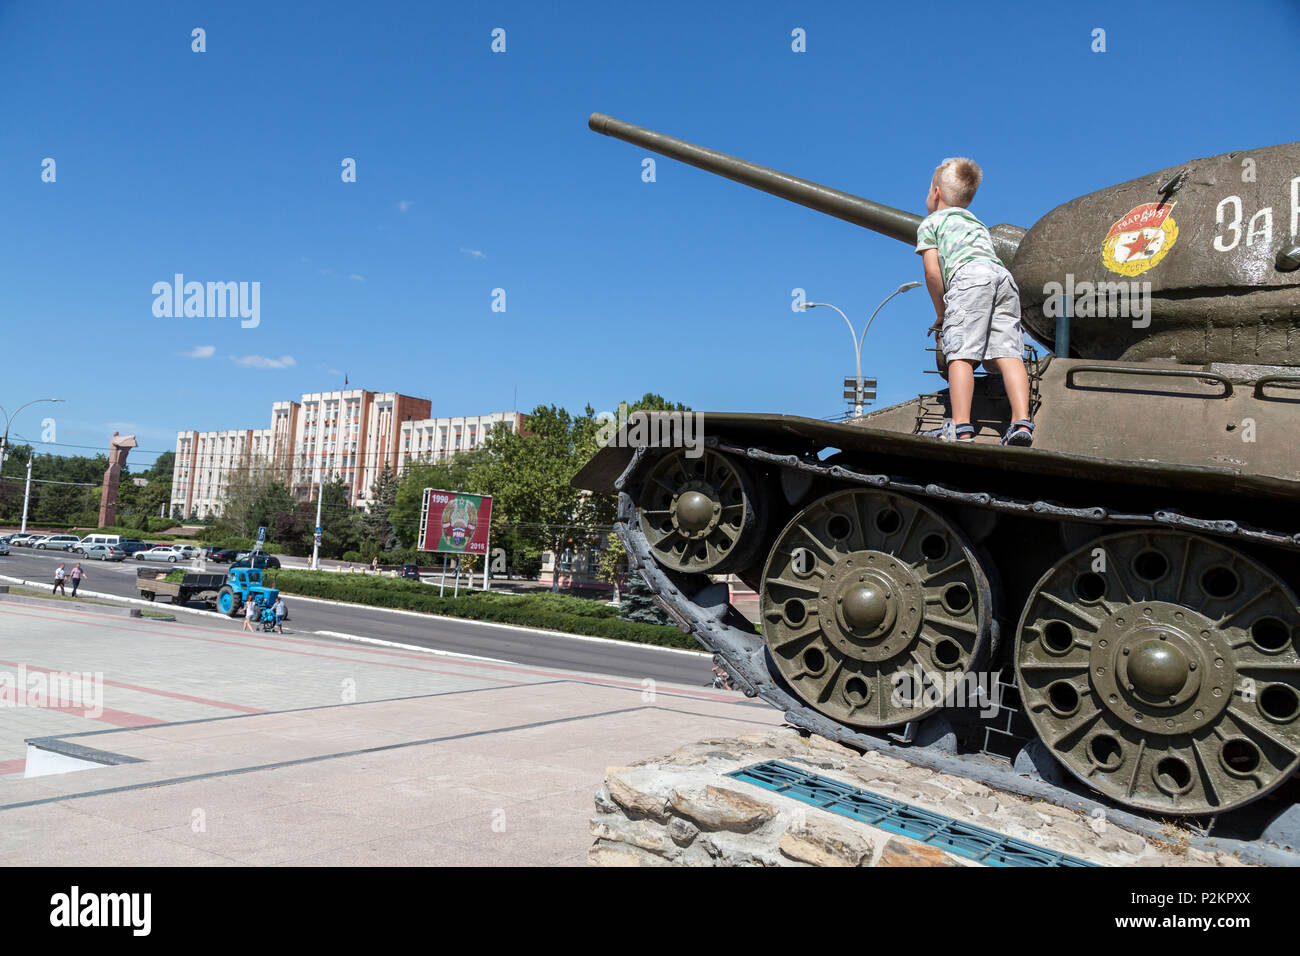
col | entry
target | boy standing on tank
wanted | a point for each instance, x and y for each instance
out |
(976, 299)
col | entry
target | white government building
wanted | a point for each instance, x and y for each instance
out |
(352, 433)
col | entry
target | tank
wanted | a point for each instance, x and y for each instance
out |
(1108, 618)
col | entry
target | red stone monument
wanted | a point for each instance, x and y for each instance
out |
(117, 452)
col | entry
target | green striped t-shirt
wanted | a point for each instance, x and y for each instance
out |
(959, 237)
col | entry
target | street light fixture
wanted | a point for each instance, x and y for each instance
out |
(4, 441)
(4, 451)
(858, 341)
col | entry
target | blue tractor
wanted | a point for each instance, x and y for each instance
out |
(244, 585)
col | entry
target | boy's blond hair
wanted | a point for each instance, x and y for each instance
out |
(958, 179)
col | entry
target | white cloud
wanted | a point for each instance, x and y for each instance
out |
(474, 253)
(356, 278)
(201, 351)
(405, 204)
(261, 361)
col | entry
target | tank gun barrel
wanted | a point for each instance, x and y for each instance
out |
(886, 220)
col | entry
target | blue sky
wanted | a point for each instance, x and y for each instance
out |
(476, 171)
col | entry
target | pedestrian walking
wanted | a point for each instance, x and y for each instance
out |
(281, 611)
(76, 575)
(59, 575)
(250, 612)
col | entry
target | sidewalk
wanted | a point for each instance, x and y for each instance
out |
(304, 750)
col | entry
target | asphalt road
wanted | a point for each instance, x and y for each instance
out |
(633, 661)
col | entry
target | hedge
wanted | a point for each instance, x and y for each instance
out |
(547, 611)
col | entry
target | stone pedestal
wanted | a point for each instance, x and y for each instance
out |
(682, 810)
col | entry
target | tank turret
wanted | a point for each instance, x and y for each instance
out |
(1196, 264)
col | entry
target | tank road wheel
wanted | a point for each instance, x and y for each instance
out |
(700, 514)
(873, 607)
(1161, 669)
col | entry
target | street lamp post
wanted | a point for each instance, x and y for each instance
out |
(4, 449)
(4, 441)
(858, 341)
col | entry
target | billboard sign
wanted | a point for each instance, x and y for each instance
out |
(453, 522)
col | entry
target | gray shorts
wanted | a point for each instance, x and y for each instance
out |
(981, 317)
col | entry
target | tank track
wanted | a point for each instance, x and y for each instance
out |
(701, 608)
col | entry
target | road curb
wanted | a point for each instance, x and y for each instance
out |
(72, 605)
(509, 627)
(171, 609)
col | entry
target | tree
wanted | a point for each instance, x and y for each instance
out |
(612, 564)
(162, 466)
(638, 603)
(341, 531)
(529, 473)
(461, 472)
(376, 524)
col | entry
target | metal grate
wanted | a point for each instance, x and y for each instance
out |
(935, 829)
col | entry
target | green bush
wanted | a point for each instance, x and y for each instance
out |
(553, 612)
(352, 556)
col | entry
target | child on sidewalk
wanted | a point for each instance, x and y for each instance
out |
(976, 299)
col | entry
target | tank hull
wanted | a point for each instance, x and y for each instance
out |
(1020, 510)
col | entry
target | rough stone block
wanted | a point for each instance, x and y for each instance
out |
(638, 833)
(614, 854)
(899, 852)
(682, 832)
(624, 787)
(717, 808)
(820, 843)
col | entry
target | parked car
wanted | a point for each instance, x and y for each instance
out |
(59, 542)
(245, 560)
(131, 546)
(105, 552)
(160, 553)
(188, 552)
(220, 555)
(25, 540)
(410, 571)
(4, 547)
(92, 539)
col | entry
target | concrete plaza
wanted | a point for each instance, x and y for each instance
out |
(235, 748)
